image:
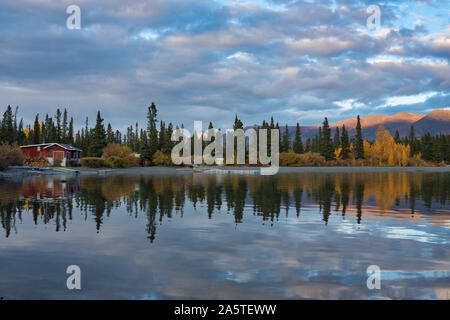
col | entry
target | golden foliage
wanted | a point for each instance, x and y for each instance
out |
(385, 152)
(113, 151)
(116, 150)
(291, 159)
(10, 156)
(160, 159)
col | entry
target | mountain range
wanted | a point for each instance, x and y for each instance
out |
(435, 122)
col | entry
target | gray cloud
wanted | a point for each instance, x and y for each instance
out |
(206, 60)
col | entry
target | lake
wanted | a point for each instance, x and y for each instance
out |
(179, 235)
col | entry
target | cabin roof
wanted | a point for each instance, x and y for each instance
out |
(48, 145)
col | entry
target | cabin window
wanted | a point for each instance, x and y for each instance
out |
(38, 148)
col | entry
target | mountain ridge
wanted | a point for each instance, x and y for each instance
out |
(437, 121)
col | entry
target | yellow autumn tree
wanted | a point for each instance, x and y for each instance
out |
(385, 152)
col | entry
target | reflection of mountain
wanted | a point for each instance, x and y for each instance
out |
(375, 194)
(437, 121)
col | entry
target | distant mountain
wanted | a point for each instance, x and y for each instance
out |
(437, 121)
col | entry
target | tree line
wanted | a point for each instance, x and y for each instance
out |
(155, 139)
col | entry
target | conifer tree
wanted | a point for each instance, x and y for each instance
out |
(36, 130)
(7, 132)
(345, 144)
(152, 145)
(285, 143)
(20, 134)
(237, 123)
(412, 141)
(69, 138)
(98, 138)
(327, 146)
(298, 144)
(58, 126)
(397, 136)
(109, 134)
(64, 129)
(336, 139)
(359, 145)
(169, 141)
(308, 145)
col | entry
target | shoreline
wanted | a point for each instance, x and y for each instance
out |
(24, 173)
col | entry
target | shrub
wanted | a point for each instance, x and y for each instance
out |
(117, 150)
(312, 159)
(73, 163)
(289, 159)
(133, 160)
(129, 158)
(116, 162)
(10, 156)
(292, 159)
(57, 162)
(160, 159)
(92, 162)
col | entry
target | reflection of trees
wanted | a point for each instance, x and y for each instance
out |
(160, 197)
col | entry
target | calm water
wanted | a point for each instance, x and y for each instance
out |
(184, 235)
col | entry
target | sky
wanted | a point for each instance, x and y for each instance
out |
(209, 60)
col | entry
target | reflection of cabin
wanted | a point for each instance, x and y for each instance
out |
(40, 189)
(52, 152)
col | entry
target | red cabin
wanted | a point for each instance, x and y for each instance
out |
(52, 152)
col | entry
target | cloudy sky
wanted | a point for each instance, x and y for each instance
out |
(208, 60)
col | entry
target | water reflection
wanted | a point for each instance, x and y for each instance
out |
(380, 193)
(302, 235)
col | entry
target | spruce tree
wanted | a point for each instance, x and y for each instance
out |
(7, 126)
(298, 144)
(308, 145)
(152, 146)
(427, 147)
(20, 134)
(412, 141)
(109, 134)
(46, 132)
(64, 133)
(359, 147)
(98, 138)
(345, 144)
(86, 137)
(285, 143)
(237, 123)
(58, 126)
(336, 139)
(169, 141)
(397, 136)
(69, 138)
(327, 146)
(36, 130)
(162, 137)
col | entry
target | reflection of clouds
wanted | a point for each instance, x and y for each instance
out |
(412, 234)
(193, 256)
(402, 275)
